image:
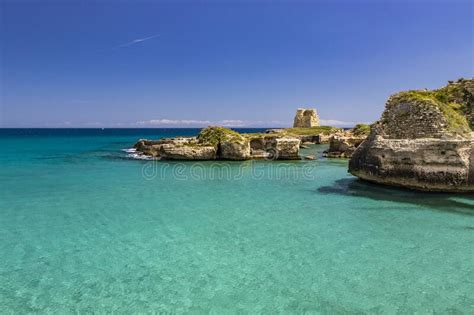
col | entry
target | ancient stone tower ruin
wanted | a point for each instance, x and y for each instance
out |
(306, 118)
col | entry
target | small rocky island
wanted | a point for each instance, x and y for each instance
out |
(423, 141)
(219, 143)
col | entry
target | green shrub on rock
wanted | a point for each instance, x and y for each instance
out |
(325, 130)
(214, 135)
(361, 130)
(454, 101)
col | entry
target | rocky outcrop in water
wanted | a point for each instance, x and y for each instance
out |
(286, 148)
(344, 144)
(423, 141)
(275, 147)
(217, 143)
(306, 118)
(187, 152)
(230, 150)
(152, 148)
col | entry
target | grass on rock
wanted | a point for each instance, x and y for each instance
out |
(214, 135)
(444, 98)
(361, 130)
(325, 130)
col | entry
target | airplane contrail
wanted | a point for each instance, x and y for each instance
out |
(138, 40)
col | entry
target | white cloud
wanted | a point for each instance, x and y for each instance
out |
(337, 123)
(232, 123)
(174, 122)
(204, 123)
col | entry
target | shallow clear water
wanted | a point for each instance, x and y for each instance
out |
(84, 229)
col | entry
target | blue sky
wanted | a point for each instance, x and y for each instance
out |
(236, 63)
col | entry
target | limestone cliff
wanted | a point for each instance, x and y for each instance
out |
(423, 141)
(306, 118)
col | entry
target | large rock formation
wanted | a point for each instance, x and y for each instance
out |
(217, 143)
(306, 118)
(423, 141)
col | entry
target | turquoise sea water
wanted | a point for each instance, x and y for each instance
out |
(84, 229)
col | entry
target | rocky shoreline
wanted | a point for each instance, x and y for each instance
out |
(424, 141)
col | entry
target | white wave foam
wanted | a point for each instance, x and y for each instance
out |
(131, 150)
(139, 156)
(134, 154)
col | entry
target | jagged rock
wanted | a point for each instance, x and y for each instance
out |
(312, 139)
(316, 138)
(287, 148)
(187, 152)
(231, 150)
(306, 118)
(146, 147)
(275, 147)
(319, 138)
(423, 141)
(343, 145)
(152, 147)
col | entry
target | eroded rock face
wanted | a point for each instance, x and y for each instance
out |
(343, 146)
(306, 118)
(229, 150)
(314, 139)
(426, 164)
(274, 147)
(187, 152)
(152, 147)
(423, 141)
(287, 148)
